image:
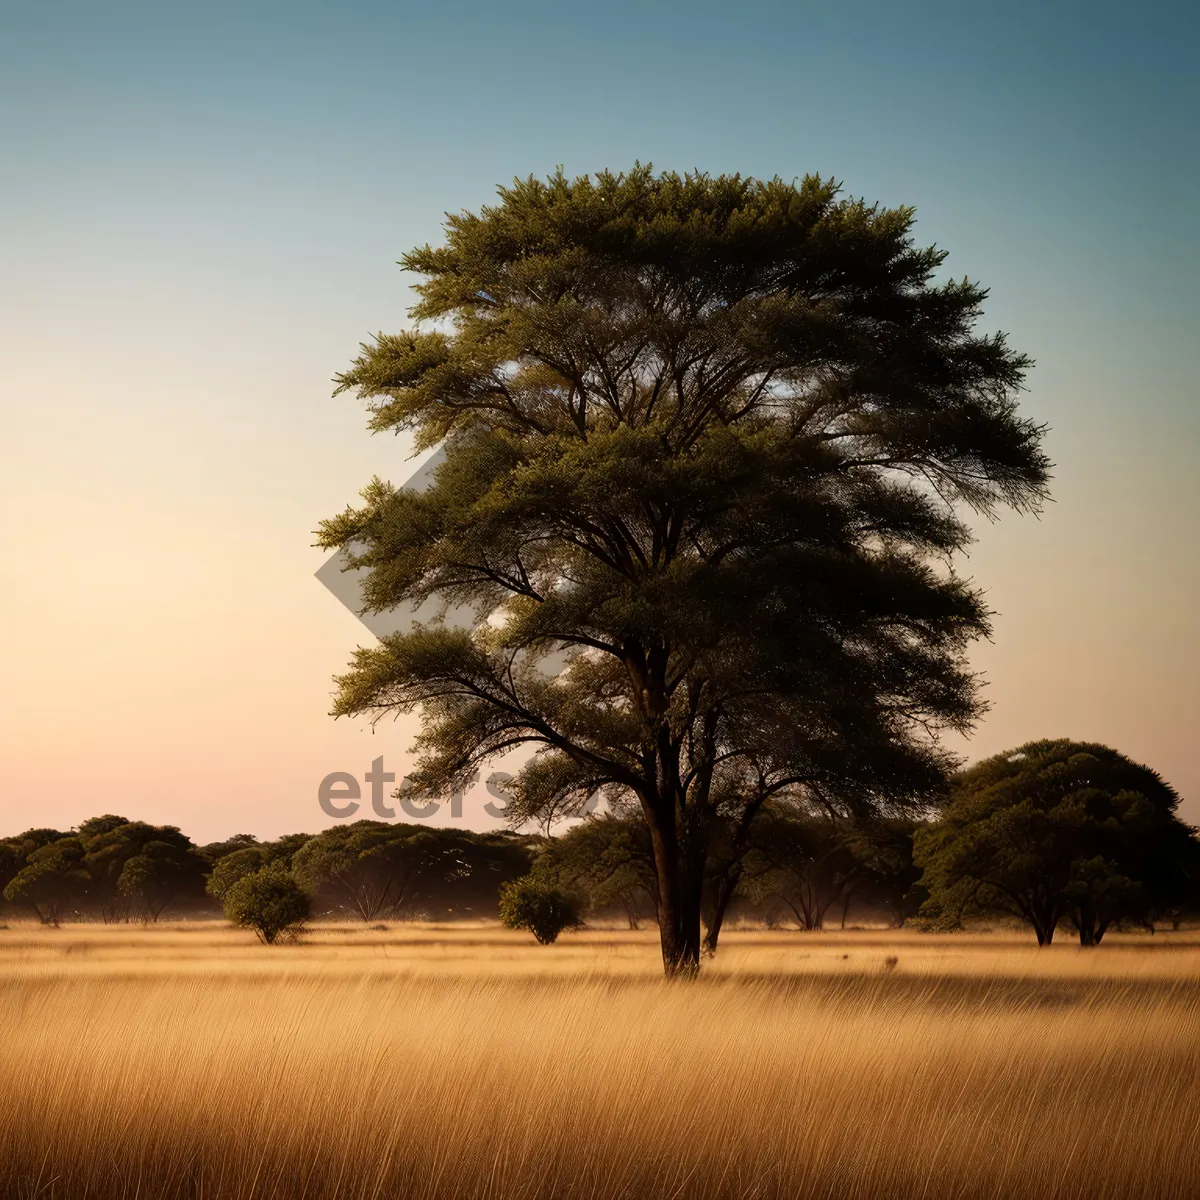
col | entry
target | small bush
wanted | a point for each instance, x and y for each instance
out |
(544, 911)
(269, 901)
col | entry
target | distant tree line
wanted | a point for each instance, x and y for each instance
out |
(801, 865)
(111, 869)
(1053, 834)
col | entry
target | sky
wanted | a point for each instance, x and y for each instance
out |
(201, 209)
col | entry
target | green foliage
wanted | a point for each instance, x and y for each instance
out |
(244, 853)
(530, 904)
(53, 882)
(33, 839)
(1056, 830)
(711, 441)
(371, 866)
(136, 869)
(98, 825)
(284, 849)
(14, 858)
(119, 869)
(215, 851)
(231, 867)
(11, 861)
(376, 868)
(269, 901)
(606, 861)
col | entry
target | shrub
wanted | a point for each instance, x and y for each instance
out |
(544, 911)
(269, 901)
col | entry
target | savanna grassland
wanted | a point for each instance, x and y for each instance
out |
(410, 1061)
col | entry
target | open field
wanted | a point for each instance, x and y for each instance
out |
(188, 1061)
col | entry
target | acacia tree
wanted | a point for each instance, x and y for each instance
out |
(707, 443)
(232, 867)
(243, 854)
(530, 904)
(136, 869)
(850, 773)
(373, 867)
(53, 882)
(807, 861)
(1053, 831)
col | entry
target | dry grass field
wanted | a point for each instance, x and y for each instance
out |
(414, 1062)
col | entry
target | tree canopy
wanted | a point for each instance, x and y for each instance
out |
(53, 882)
(708, 447)
(139, 869)
(374, 868)
(110, 866)
(243, 854)
(1059, 830)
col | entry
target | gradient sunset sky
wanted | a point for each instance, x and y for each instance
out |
(201, 206)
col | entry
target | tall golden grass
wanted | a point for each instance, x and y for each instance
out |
(190, 1062)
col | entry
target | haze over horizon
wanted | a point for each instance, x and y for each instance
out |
(202, 210)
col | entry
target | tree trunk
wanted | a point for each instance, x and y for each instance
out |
(678, 899)
(1043, 926)
(729, 879)
(1090, 930)
(726, 885)
(693, 886)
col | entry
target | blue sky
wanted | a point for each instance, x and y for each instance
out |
(200, 211)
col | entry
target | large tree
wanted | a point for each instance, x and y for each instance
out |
(1054, 831)
(708, 443)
